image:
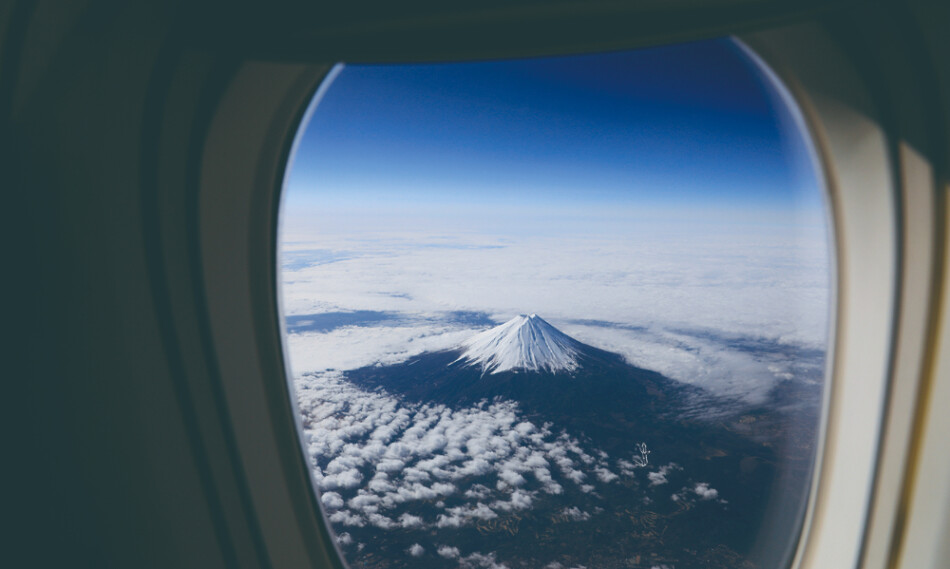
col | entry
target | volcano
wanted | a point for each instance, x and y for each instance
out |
(523, 343)
(556, 378)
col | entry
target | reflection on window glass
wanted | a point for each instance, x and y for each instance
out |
(558, 313)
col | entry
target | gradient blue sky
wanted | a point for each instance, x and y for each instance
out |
(688, 126)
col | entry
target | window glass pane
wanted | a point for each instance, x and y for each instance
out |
(556, 313)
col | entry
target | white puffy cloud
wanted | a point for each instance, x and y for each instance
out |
(468, 513)
(449, 521)
(605, 475)
(365, 502)
(414, 474)
(659, 476)
(703, 490)
(575, 514)
(517, 500)
(699, 490)
(372, 453)
(448, 552)
(390, 465)
(416, 550)
(347, 518)
(480, 561)
(380, 483)
(346, 479)
(408, 521)
(331, 500)
(478, 491)
(511, 478)
(548, 484)
(381, 521)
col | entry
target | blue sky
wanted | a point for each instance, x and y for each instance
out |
(692, 127)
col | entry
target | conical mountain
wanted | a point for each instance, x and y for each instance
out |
(524, 342)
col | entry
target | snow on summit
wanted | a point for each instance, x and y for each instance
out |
(524, 342)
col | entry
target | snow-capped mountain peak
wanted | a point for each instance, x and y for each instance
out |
(524, 342)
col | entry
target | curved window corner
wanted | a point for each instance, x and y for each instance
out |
(559, 312)
(852, 508)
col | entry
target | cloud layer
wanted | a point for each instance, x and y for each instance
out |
(381, 464)
(730, 310)
(372, 454)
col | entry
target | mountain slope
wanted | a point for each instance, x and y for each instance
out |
(524, 342)
(555, 378)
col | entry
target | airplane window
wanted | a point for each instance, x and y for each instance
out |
(565, 312)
